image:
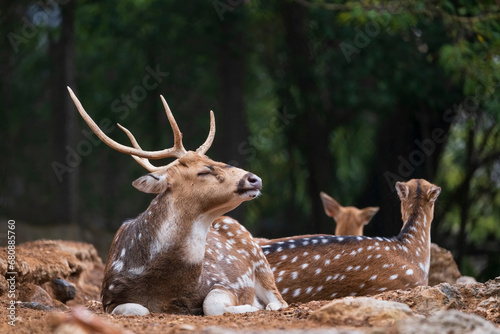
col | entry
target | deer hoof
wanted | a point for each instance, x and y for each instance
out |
(130, 309)
(275, 306)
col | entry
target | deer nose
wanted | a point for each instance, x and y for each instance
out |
(254, 181)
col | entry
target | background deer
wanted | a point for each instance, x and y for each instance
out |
(349, 220)
(168, 259)
(326, 267)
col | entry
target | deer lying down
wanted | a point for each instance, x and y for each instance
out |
(168, 259)
(325, 267)
(350, 220)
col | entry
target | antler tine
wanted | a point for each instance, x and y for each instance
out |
(206, 145)
(177, 151)
(142, 161)
(178, 147)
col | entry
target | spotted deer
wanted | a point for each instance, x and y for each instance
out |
(168, 259)
(325, 267)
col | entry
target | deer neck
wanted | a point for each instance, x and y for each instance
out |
(163, 234)
(178, 232)
(416, 231)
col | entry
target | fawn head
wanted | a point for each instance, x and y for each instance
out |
(350, 220)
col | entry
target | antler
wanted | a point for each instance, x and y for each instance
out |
(140, 155)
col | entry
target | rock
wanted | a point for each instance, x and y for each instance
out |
(40, 262)
(63, 290)
(466, 280)
(445, 322)
(443, 268)
(361, 311)
(32, 293)
(36, 306)
(478, 298)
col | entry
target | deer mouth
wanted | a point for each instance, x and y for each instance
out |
(248, 192)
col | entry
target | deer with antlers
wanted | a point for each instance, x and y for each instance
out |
(168, 259)
(320, 267)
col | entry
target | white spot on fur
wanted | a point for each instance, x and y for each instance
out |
(117, 265)
(296, 292)
(409, 272)
(393, 277)
(137, 270)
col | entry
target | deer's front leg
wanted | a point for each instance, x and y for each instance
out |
(220, 301)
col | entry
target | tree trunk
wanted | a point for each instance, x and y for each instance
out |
(64, 117)
(232, 126)
(310, 133)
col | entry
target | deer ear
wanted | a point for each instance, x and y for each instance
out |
(368, 213)
(433, 193)
(331, 206)
(152, 183)
(403, 190)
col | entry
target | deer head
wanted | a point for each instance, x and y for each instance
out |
(168, 259)
(350, 220)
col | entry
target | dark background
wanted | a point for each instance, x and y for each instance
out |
(341, 97)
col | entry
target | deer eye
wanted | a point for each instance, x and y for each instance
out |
(207, 170)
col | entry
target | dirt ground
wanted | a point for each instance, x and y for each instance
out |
(294, 317)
